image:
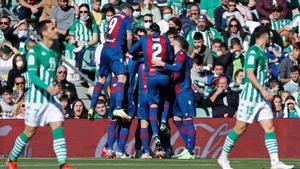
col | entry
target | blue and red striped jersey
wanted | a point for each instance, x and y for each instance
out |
(181, 72)
(142, 78)
(153, 47)
(116, 35)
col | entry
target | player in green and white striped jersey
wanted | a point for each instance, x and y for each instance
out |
(41, 108)
(253, 102)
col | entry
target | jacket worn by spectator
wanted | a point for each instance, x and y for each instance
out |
(285, 67)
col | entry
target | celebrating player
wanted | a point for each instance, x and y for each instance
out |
(41, 106)
(254, 102)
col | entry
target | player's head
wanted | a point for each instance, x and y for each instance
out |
(262, 35)
(179, 42)
(154, 28)
(47, 30)
(127, 10)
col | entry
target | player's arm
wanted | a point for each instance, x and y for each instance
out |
(134, 48)
(172, 67)
(129, 38)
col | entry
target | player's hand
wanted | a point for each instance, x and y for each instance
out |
(267, 95)
(129, 55)
(91, 115)
(157, 62)
(53, 90)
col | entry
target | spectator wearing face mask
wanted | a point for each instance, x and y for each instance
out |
(167, 15)
(19, 67)
(147, 21)
(136, 15)
(109, 12)
(148, 7)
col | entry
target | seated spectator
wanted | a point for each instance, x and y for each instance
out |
(108, 13)
(7, 53)
(189, 21)
(284, 95)
(175, 24)
(275, 55)
(19, 67)
(238, 78)
(223, 101)
(167, 15)
(30, 7)
(97, 15)
(148, 7)
(292, 85)
(19, 90)
(291, 110)
(275, 38)
(245, 10)
(147, 21)
(67, 88)
(62, 15)
(20, 110)
(218, 13)
(232, 12)
(274, 86)
(79, 110)
(84, 34)
(198, 49)
(4, 25)
(264, 7)
(78, 3)
(100, 110)
(278, 21)
(277, 107)
(65, 103)
(7, 104)
(291, 60)
(136, 16)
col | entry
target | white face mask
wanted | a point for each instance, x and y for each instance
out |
(108, 18)
(136, 14)
(22, 34)
(85, 18)
(20, 63)
(167, 17)
(147, 25)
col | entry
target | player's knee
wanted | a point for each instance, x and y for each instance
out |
(240, 129)
(144, 124)
(269, 129)
(121, 78)
(177, 118)
(152, 105)
(30, 132)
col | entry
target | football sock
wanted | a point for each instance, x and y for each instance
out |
(59, 145)
(124, 131)
(191, 132)
(145, 139)
(229, 143)
(18, 147)
(272, 146)
(97, 91)
(111, 134)
(119, 94)
(182, 130)
(164, 116)
(153, 121)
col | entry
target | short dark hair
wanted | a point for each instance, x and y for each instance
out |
(154, 28)
(6, 17)
(20, 76)
(260, 30)
(7, 89)
(198, 36)
(101, 101)
(296, 45)
(294, 69)
(235, 41)
(198, 60)
(42, 26)
(110, 9)
(217, 40)
(148, 14)
(180, 40)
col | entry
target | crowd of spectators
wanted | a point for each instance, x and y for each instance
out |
(218, 34)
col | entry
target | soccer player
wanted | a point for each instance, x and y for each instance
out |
(156, 47)
(41, 106)
(112, 58)
(254, 102)
(184, 107)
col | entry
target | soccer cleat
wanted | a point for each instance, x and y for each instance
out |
(158, 146)
(184, 152)
(109, 154)
(122, 156)
(164, 129)
(121, 113)
(281, 165)
(224, 163)
(11, 165)
(138, 154)
(67, 166)
(146, 156)
(187, 156)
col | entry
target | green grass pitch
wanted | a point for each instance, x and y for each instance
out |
(91, 163)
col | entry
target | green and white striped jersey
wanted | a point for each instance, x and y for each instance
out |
(42, 65)
(81, 32)
(178, 6)
(280, 24)
(208, 36)
(257, 61)
(2, 38)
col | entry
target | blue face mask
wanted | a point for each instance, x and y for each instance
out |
(167, 17)
(22, 35)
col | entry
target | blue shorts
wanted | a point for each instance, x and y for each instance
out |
(143, 106)
(156, 84)
(112, 60)
(184, 105)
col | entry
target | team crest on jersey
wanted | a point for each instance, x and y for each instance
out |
(43, 53)
(31, 60)
(251, 60)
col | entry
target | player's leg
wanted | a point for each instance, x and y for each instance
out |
(123, 136)
(111, 134)
(145, 138)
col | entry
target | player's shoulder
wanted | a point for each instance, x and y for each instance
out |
(253, 50)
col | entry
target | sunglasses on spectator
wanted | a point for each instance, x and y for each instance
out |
(136, 9)
(148, 21)
(276, 10)
(64, 72)
(19, 83)
(4, 23)
(266, 24)
(232, 5)
(233, 26)
(83, 11)
(194, 13)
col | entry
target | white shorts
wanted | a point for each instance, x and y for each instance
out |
(248, 111)
(42, 114)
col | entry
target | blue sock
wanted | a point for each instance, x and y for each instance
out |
(164, 116)
(182, 130)
(153, 121)
(123, 136)
(111, 134)
(119, 94)
(191, 132)
(97, 91)
(145, 139)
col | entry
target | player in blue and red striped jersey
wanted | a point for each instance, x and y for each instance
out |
(118, 35)
(156, 47)
(184, 107)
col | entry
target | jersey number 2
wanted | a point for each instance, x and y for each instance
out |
(157, 48)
